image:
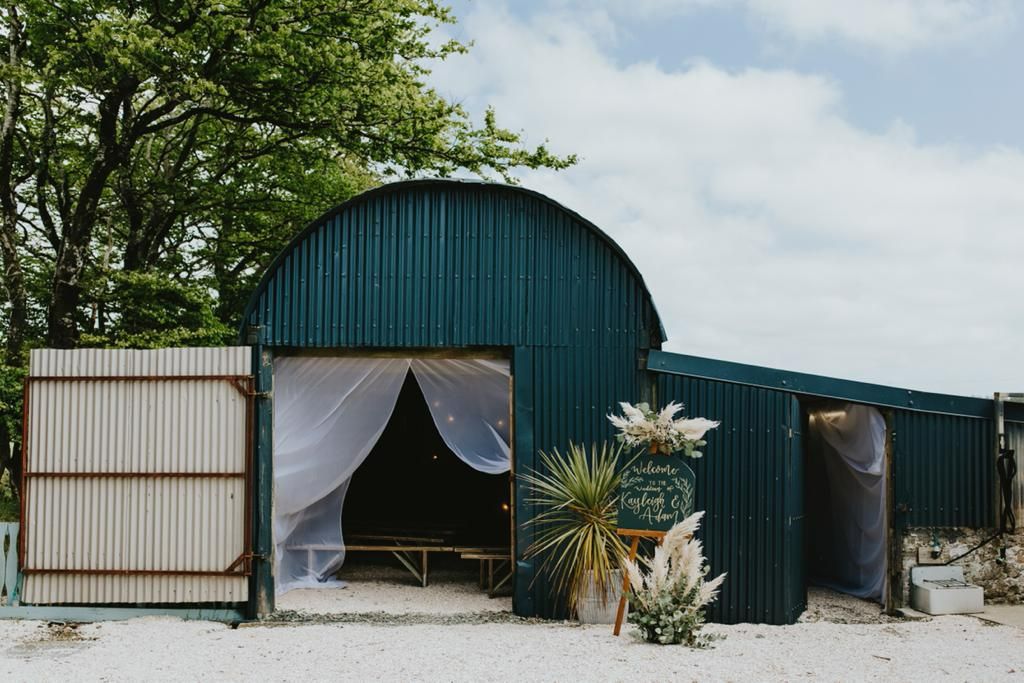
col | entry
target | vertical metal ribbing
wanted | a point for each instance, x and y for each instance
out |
(741, 484)
(101, 526)
(942, 469)
(442, 265)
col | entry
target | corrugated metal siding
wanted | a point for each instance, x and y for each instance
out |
(221, 360)
(448, 264)
(750, 485)
(943, 469)
(943, 446)
(561, 395)
(135, 523)
(453, 265)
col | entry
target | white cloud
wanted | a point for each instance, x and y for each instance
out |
(769, 229)
(890, 25)
(893, 26)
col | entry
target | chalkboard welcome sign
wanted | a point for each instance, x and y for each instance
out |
(656, 492)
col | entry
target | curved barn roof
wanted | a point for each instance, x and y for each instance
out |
(443, 184)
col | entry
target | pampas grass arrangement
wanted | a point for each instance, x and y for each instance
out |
(641, 426)
(669, 593)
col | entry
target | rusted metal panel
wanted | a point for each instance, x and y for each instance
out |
(220, 360)
(137, 472)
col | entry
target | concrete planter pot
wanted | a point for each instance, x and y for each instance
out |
(593, 607)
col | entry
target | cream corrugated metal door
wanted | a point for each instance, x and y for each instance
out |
(137, 476)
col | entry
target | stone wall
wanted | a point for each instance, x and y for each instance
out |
(1003, 581)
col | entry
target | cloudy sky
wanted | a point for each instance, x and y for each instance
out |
(827, 186)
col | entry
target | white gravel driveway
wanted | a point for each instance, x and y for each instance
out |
(947, 648)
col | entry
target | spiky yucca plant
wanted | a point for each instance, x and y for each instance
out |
(667, 601)
(575, 532)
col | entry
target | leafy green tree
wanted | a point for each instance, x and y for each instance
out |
(154, 156)
(151, 311)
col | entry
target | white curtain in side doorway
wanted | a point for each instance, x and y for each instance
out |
(853, 441)
(329, 414)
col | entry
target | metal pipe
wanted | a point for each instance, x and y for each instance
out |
(23, 491)
(135, 378)
(250, 397)
(132, 572)
(134, 475)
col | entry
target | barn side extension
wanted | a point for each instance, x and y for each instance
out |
(939, 474)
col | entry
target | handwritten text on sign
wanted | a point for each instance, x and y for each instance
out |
(656, 492)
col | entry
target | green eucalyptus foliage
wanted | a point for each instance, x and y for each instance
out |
(671, 621)
(576, 530)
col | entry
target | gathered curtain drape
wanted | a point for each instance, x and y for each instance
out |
(853, 441)
(329, 413)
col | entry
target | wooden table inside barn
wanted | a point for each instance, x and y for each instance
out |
(414, 554)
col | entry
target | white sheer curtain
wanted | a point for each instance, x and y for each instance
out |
(329, 413)
(469, 401)
(853, 441)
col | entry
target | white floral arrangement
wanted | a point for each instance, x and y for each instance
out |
(669, 593)
(640, 426)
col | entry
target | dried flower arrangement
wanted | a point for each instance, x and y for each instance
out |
(667, 600)
(660, 431)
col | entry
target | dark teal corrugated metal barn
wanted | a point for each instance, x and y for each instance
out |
(465, 267)
(942, 455)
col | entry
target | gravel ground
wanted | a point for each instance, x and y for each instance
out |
(950, 648)
(452, 642)
(838, 608)
(392, 590)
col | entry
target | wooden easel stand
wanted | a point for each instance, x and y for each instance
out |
(634, 545)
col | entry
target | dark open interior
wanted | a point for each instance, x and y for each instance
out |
(822, 566)
(412, 484)
(829, 561)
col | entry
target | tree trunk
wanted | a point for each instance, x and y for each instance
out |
(65, 295)
(10, 458)
(13, 274)
(66, 291)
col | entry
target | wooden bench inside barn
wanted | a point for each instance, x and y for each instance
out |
(407, 549)
(413, 552)
(487, 558)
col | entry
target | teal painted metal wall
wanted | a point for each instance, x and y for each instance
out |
(750, 483)
(943, 470)
(943, 446)
(460, 265)
(943, 467)
(445, 263)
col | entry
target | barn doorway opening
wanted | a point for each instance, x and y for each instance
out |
(405, 459)
(430, 494)
(846, 502)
